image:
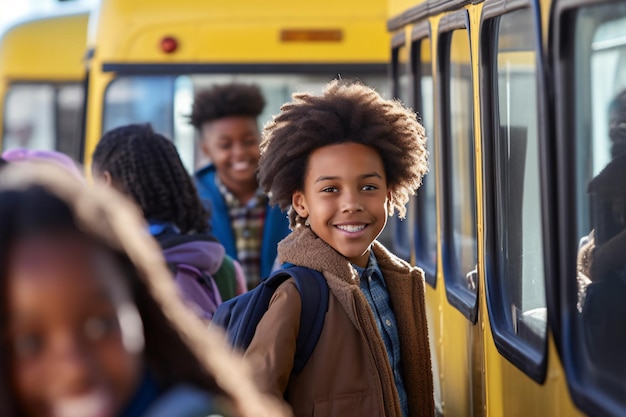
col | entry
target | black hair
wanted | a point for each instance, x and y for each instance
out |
(345, 112)
(36, 212)
(219, 101)
(148, 168)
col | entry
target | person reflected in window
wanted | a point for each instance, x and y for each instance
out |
(602, 253)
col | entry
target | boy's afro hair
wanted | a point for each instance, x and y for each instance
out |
(344, 112)
(226, 100)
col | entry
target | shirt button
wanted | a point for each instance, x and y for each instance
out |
(388, 322)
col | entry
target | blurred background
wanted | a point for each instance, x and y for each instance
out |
(12, 11)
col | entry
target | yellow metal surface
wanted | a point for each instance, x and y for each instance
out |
(48, 49)
(234, 31)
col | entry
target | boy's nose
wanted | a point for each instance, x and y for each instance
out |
(239, 149)
(352, 203)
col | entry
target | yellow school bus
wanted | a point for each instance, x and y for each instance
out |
(520, 224)
(41, 83)
(148, 58)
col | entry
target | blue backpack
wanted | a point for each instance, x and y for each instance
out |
(240, 316)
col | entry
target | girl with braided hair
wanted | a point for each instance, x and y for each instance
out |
(146, 167)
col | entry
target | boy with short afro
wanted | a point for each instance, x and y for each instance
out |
(342, 162)
(243, 221)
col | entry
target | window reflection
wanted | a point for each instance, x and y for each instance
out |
(600, 55)
(398, 235)
(426, 247)
(460, 141)
(44, 116)
(518, 206)
(29, 117)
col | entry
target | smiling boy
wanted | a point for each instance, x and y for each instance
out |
(242, 220)
(343, 161)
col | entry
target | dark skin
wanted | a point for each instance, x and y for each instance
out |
(232, 144)
(68, 354)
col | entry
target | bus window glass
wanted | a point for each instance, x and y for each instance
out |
(426, 221)
(517, 182)
(600, 182)
(29, 117)
(461, 201)
(165, 101)
(140, 99)
(70, 99)
(398, 233)
(184, 135)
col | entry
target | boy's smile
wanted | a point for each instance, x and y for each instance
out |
(345, 198)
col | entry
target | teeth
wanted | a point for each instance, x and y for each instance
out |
(94, 404)
(240, 166)
(351, 228)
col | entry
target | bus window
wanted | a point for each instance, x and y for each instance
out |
(516, 279)
(41, 82)
(425, 224)
(599, 126)
(29, 117)
(459, 240)
(165, 101)
(69, 108)
(400, 229)
(140, 99)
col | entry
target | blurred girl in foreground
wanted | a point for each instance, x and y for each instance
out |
(91, 322)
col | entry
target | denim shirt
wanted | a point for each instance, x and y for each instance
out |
(375, 290)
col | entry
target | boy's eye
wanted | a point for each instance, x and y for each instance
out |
(28, 345)
(224, 145)
(329, 190)
(369, 187)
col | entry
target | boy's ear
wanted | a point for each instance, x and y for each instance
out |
(205, 148)
(298, 202)
(203, 137)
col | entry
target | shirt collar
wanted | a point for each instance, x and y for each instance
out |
(372, 268)
(231, 201)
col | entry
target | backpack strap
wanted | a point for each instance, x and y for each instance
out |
(225, 279)
(314, 294)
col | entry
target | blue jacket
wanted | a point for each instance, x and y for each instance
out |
(275, 227)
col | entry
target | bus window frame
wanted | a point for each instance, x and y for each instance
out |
(590, 389)
(463, 300)
(528, 359)
(422, 32)
(400, 227)
(244, 68)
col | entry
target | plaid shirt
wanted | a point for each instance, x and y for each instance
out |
(247, 223)
(375, 290)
